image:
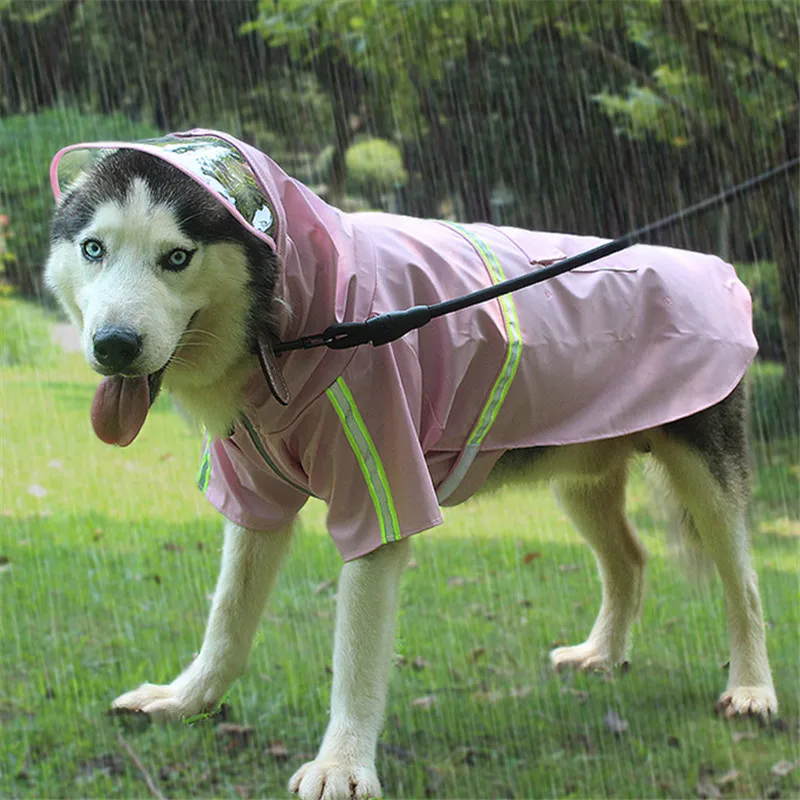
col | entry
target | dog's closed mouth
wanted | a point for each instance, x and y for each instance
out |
(121, 403)
(154, 381)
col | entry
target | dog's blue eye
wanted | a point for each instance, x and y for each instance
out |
(92, 249)
(178, 259)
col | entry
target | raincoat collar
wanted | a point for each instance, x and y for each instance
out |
(325, 275)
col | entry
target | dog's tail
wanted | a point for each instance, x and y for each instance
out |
(687, 547)
(683, 539)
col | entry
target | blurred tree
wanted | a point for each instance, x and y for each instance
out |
(442, 76)
(722, 77)
(34, 52)
(330, 40)
(147, 58)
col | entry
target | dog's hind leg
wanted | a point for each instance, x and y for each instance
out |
(706, 461)
(250, 563)
(597, 508)
(362, 656)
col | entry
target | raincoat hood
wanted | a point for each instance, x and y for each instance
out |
(324, 264)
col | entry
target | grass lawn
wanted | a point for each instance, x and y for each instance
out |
(109, 556)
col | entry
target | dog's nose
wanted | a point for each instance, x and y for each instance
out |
(116, 347)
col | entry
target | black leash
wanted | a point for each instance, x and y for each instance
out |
(388, 327)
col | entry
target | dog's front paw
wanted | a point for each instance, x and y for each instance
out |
(329, 780)
(584, 656)
(197, 690)
(759, 701)
(166, 703)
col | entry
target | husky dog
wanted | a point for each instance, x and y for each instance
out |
(185, 261)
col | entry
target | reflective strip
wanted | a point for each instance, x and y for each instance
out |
(204, 475)
(368, 459)
(254, 438)
(507, 371)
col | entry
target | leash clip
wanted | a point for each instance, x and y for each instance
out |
(343, 335)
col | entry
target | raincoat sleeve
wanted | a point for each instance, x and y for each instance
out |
(254, 499)
(362, 453)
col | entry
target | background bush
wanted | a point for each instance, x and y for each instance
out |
(374, 170)
(374, 167)
(24, 328)
(28, 142)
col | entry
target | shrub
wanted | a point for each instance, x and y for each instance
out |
(27, 144)
(374, 168)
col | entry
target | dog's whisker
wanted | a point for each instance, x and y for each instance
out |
(201, 331)
(190, 217)
(184, 362)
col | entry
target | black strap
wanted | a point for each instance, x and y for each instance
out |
(388, 327)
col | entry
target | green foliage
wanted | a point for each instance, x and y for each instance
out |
(761, 278)
(660, 109)
(640, 113)
(30, 11)
(24, 333)
(375, 164)
(27, 145)
(741, 84)
(402, 45)
(368, 32)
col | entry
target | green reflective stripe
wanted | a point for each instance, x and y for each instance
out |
(254, 438)
(368, 459)
(507, 372)
(204, 475)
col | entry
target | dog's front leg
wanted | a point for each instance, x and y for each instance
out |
(362, 657)
(250, 563)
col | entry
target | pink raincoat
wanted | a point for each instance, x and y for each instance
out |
(386, 435)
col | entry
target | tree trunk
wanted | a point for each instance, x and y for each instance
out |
(437, 168)
(343, 85)
(338, 179)
(477, 198)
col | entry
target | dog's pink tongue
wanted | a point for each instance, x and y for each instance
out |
(120, 408)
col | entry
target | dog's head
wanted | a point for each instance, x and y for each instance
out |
(160, 278)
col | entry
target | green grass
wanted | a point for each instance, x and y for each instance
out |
(111, 556)
(25, 338)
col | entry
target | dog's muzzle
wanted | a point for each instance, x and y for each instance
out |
(121, 402)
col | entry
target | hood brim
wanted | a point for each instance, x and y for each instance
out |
(228, 177)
